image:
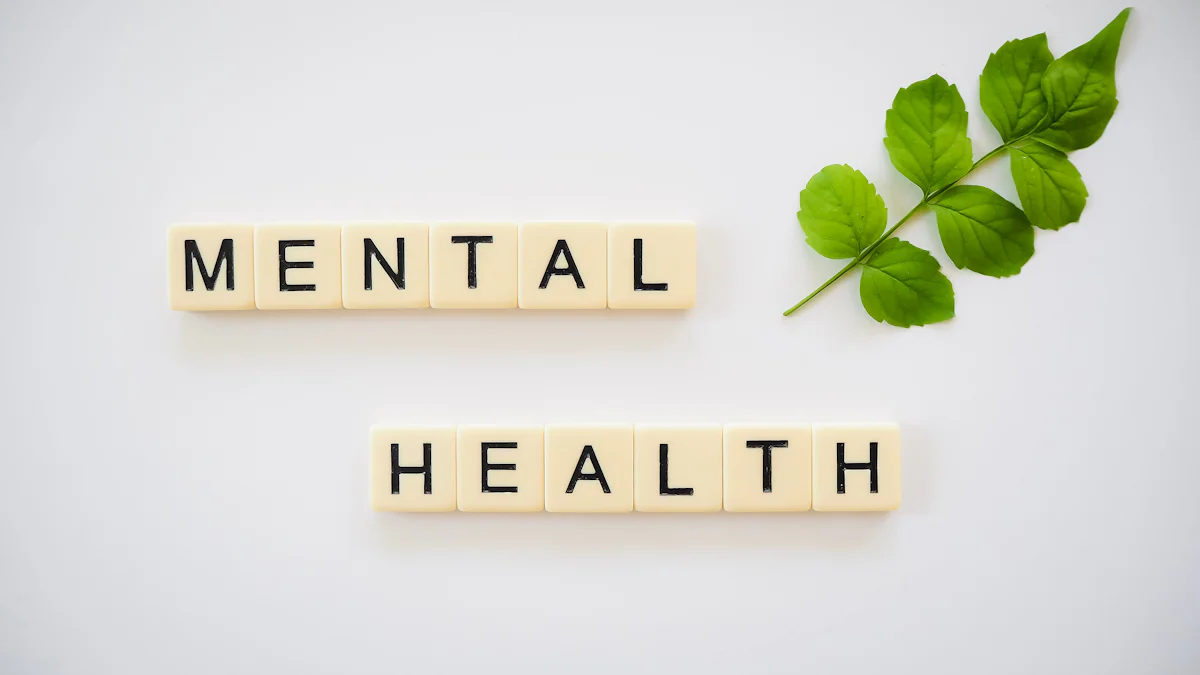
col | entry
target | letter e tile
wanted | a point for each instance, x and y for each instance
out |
(500, 468)
(298, 266)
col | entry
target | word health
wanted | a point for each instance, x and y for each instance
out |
(623, 468)
(545, 265)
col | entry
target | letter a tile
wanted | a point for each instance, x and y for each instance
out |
(589, 469)
(500, 468)
(211, 267)
(563, 266)
(856, 467)
(677, 468)
(413, 469)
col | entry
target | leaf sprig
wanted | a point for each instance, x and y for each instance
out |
(1042, 108)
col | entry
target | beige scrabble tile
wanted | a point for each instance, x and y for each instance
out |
(210, 267)
(413, 468)
(563, 265)
(677, 468)
(385, 266)
(652, 265)
(856, 467)
(768, 467)
(500, 468)
(298, 266)
(473, 265)
(589, 469)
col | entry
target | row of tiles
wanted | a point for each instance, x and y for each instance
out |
(622, 468)
(550, 265)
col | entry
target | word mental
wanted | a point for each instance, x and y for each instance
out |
(550, 265)
(621, 468)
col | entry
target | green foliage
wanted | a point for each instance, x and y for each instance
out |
(927, 134)
(1041, 107)
(983, 231)
(1081, 89)
(840, 212)
(902, 284)
(1048, 184)
(1010, 88)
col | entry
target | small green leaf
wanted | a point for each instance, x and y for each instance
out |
(927, 134)
(1051, 190)
(902, 285)
(1081, 90)
(1010, 88)
(983, 231)
(840, 212)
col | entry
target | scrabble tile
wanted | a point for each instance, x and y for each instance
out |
(856, 467)
(677, 468)
(652, 265)
(768, 467)
(413, 469)
(298, 266)
(211, 267)
(562, 266)
(589, 469)
(385, 266)
(500, 468)
(473, 265)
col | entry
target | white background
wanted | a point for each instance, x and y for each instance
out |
(187, 493)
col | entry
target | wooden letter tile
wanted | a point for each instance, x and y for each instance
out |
(412, 469)
(856, 467)
(500, 468)
(385, 266)
(298, 267)
(589, 469)
(211, 267)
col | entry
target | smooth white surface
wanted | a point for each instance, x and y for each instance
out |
(188, 493)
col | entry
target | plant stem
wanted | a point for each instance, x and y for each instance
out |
(925, 201)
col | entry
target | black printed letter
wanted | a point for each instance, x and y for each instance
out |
(224, 256)
(638, 285)
(472, 276)
(766, 448)
(370, 250)
(663, 488)
(487, 466)
(284, 265)
(425, 468)
(873, 465)
(562, 249)
(588, 453)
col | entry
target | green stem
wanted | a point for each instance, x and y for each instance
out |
(866, 252)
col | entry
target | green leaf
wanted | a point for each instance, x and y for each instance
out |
(927, 134)
(1051, 190)
(840, 212)
(902, 285)
(983, 231)
(1010, 88)
(1081, 90)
